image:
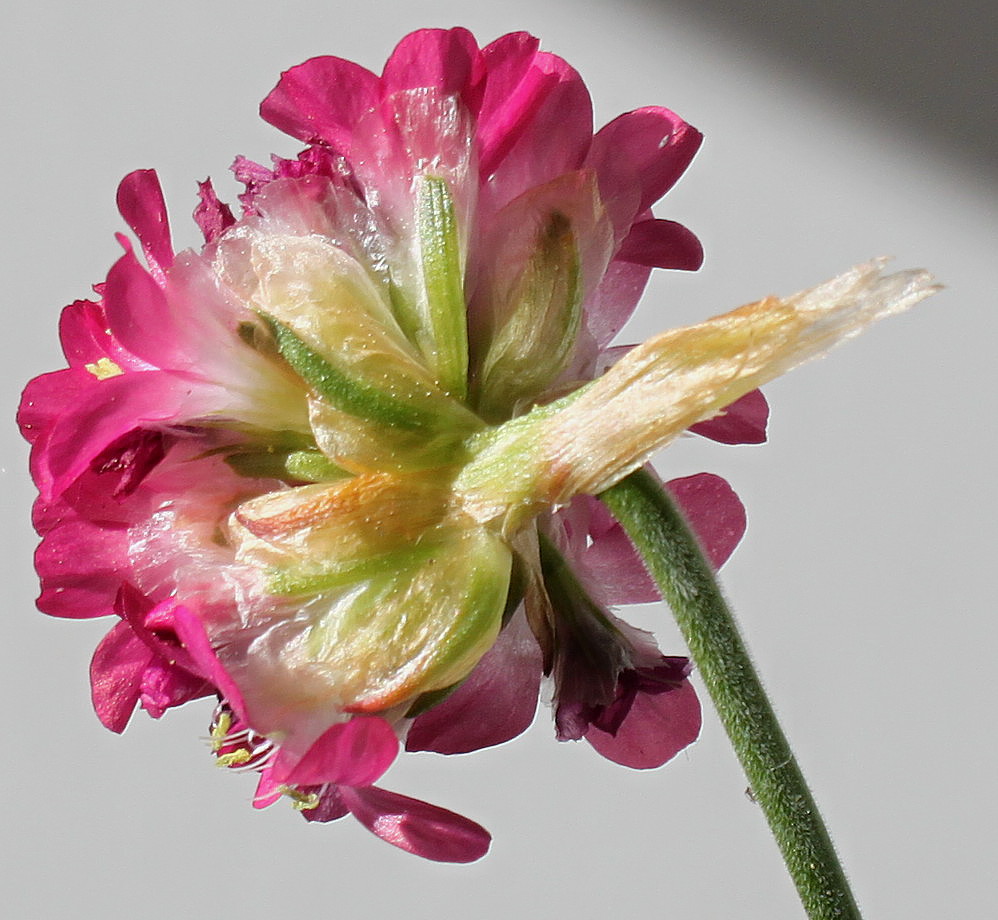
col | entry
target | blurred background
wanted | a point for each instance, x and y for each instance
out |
(864, 584)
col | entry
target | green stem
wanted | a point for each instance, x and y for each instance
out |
(676, 562)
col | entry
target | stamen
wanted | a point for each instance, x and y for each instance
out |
(300, 801)
(234, 758)
(104, 368)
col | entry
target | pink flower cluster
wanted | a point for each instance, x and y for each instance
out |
(178, 407)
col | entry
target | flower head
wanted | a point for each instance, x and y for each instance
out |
(335, 468)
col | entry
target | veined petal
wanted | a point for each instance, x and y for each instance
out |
(115, 676)
(662, 244)
(448, 60)
(495, 703)
(742, 422)
(140, 201)
(513, 90)
(651, 143)
(553, 141)
(417, 827)
(320, 101)
(658, 726)
(352, 753)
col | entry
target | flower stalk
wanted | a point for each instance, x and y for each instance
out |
(677, 564)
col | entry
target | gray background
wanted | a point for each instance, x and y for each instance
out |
(864, 582)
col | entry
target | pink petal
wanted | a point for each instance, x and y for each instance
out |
(743, 422)
(321, 100)
(495, 703)
(254, 177)
(268, 789)
(613, 302)
(553, 141)
(417, 827)
(137, 311)
(709, 505)
(115, 676)
(211, 215)
(112, 408)
(330, 808)
(46, 398)
(140, 201)
(83, 333)
(164, 686)
(191, 633)
(662, 244)
(81, 566)
(354, 753)
(616, 567)
(714, 511)
(657, 728)
(152, 625)
(652, 145)
(447, 60)
(513, 91)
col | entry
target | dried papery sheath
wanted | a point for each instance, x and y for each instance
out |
(335, 470)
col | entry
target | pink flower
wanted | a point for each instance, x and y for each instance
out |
(266, 458)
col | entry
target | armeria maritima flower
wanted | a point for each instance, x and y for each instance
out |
(335, 469)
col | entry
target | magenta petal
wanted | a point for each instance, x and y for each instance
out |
(140, 201)
(657, 727)
(116, 674)
(513, 91)
(417, 827)
(81, 566)
(268, 789)
(191, 633)
(211, 215)
(553, 140)
(652, 144)
(743, 422)
(164, 686)
(47, 397)
(662, 244)
(138, 313)
(613, 302)
(494, 704)
(354, 753)
(447, 60)
(615, 566)
(713, 510)
(83, 333)
(331, 806)
(320, 101)
(112, 408)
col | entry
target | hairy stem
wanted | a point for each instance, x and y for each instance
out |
(676, 562)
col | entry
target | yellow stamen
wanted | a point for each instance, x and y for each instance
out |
(233, 758)
(300, 801)
(219, 731)
(104, 368)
